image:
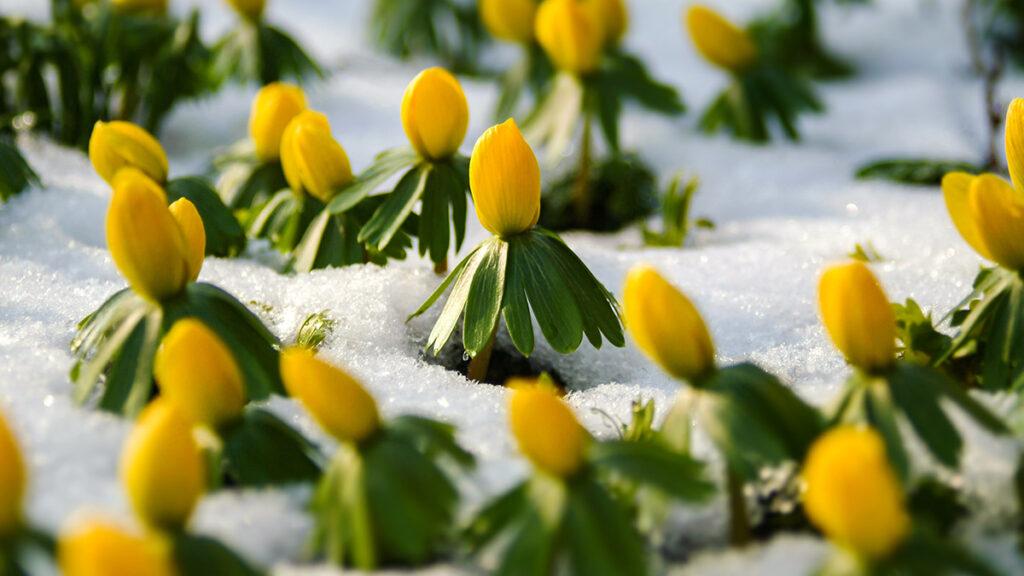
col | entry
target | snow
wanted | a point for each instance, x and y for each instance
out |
(784, 211)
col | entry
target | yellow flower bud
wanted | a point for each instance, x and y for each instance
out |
(273, 108)
(154, 6)
(510, 20)
(197, 371)
(435, 114)
(547, 431)
(719, 41)
(162, 468)
(852, 493)
(336, 400)
(12, 481)
(249, 9)
(613, 16)
(1015, 143)
(505, 179)
(116, 145)
(313, 161)
(989, 214)
(858, 316)
(100, 548)
(145, 240)
(571, 35)
(666, 326)
(194, 231)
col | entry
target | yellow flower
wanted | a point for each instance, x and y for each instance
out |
(613, 16)
(155, 6)
(273, 108)
(719, 41)
(435, 114)
(546, 430)
(571, 35)
(249, 9)
(858, 316)
(313, 161)
(197, 371)
(510, 20)
(145, 239)
(505, 179)
(12, 481)
(116, 145)
(101, 548)
(852, 493)
(666, 325)
(336, 400)
(162, 468)
(194, 231)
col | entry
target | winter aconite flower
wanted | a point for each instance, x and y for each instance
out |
(250, 9)
(858, 316)
(546, 430)
(666, 325)
(504, 177)
(274, 107)
(100, 548)
(196, 371)
(719, 41)
(152, 6)
(116, 145)
(613, 16)
(571, 35)
(12, 481)
(313, 161)
(194, 232)
(435, 114)
(162, 468)
(336, 400)
(852, 493)
(510, 20)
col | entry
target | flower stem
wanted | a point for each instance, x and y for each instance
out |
(739, 524)
(581, 191)
(481, 363)
(441, 268)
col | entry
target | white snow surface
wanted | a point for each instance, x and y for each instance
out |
(784, 211)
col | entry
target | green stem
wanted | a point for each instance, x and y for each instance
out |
(581, 192)
(481, 363)
(739, 524)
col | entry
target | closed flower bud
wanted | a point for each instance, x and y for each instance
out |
(435, 114)
(12, 482)
(154, 6)
(313, 161)
(197, 371)
(613, 16)
(116, 145)
(720, 41)
(273, 109)
(505, 179)
(194, 231)
(336, 400)
(666, 326)
(571, 35)
(249, 9)
(547, 431)
(852, 493)
(510, 20)
(145, 239)
(858, 316)
(989, 214)
(99, 548)
(162, 468)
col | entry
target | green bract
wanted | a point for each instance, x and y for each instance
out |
(15, 173)
(448, 29)
(262, 450)
(21, 551)
(245, 181)
(196, 555)
(260, 53)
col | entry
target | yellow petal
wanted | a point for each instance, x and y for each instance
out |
(571, 35)
(956, 189)
(273, 108)
(613, 16)
(196, 371)
(435, 114)
(336, 400)
(145, 241)
(1015, 144)
(101, 548)
(249, 9)
(162, 468)
(858, 316)
(313, 161)
(999, 217)
(117, 145)
(194, 231)
(505, 179)
(510, 20)
(12, 481)
(852, 493)
(666, 326)
(547, 431)
(719, 41)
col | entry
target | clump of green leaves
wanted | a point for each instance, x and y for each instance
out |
(15, 173)
(676, 220)
(316, 328)
(914, 171)
(448, 29)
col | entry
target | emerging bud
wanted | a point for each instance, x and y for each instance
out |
(613, 16)
(99, 548)
(12, 482)
(435, 114)
(510, 20)
(719, 41)
(194, 231)
(251, 10)
(274, 107)
(116, 145)
(852, 493)
(162, 467)
(989, 214)
(547, 431)
(313, 161)
(336, 400)
(153, 6)
(666, 326)
(197, 371)
(571, 35)
(858, 316)
(505, 179)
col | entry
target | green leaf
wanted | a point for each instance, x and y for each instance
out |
(915, 395)
(129, 383)
(224, 235)
(554, 305)
(880, 414)
(600, 536)
(391, 215)
(515, 307)
(650, 464)
(461, 279)
(262, 451)
(432, 438)
(15, 173)
(196, 555)
(914, 171)
(496, 517)
(486, 293)
(244, 185)
(386, 165)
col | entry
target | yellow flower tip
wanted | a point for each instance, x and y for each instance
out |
(853, 495)
(666, 325)
(719, 41)
(613, 16)
(858, 316)
(145, 239)
(194, 231)
(273, 109)
(335, 399)
(546, 429)
(505, 179)
(956, 190)
(997, 211)
(251, 10)
(94, 547)
(1015, 144)
(314, 162)
(13, 478)
(162, 469)
(153, 6)
(196, 371)
(571, 35)
(116, 145)
(435, 114)
(510, 20)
